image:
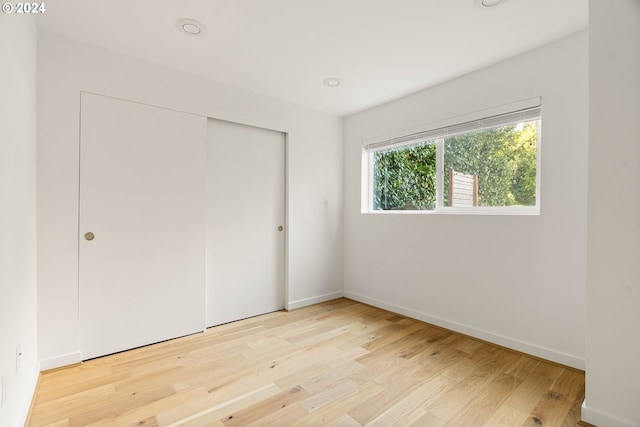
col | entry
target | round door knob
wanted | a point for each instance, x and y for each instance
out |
(280, 228)
(89, 236)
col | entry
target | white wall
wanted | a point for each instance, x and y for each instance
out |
(314, 174)
(523, 285)
(17, 214)
(613, 275)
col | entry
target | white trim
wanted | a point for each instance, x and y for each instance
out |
(600, 418)
(539, 162)
(478, 210)
(366, 182)
(60, 361)
(292, 305)
(439, 173)
(515, 344)
(287, 235)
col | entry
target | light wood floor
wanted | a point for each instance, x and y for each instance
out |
(340, 363)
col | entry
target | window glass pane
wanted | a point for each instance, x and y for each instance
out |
(405, 178)
(491, 167)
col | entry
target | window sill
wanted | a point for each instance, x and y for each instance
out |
(533, 211)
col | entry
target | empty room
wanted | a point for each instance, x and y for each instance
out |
(320, 213)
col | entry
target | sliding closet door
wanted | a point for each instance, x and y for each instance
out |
(142, 224)
(245, 221)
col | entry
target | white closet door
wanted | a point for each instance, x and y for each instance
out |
(245, 221)
(142, 195)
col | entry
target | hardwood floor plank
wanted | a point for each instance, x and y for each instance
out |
(214, 415)
(335, 364)
(399, 330)
(529, 393)
(482, 407)
(549, 370)
(397, 382)
(54, 392)
(117, 405)
(350, 351)
(303, 376)
(569, 383)
(336, 409)
(454, 400)
(405, 409)
(573, 417)
(147, 422)
(64, 406)
(330, 375)
(59, 378)
(328, 394)
(175, 415)
(523, 367)
(506, 416)
(420, 341)
(150, 411)
(344, 421)
(427, 420)
(281, 417)
(266, 407)
(550, 411)
(459, 370)
(59, 423)
(470, 346)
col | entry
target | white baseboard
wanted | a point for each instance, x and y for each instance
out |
(60, 361)
(292, 305)
(515, 344)
(602, 419)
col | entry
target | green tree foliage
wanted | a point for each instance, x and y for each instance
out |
(405, 178)
(504, 159)
(524, 181)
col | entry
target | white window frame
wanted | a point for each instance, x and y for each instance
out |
(440, 131)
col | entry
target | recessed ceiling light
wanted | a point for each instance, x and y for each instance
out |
(190, 27)
(332, 82)
(484, 4)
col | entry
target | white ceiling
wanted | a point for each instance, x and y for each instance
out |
(382, 49)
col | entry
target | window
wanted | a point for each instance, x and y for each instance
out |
(488, 165)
